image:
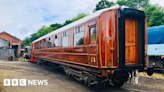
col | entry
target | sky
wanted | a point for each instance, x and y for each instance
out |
(21, 18)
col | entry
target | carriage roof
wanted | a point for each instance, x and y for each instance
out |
(78, 22)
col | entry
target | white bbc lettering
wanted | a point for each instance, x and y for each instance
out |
(37, 82)
(45, 82)
(6, 82)
(30, 82)
(40, 82)
(22, 82)
(14, 82)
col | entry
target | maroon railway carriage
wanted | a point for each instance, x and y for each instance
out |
(107, 45)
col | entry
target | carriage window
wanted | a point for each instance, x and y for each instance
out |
(56, 41)
(40, 44)
(49, 42)
(65, 39)
(93, 34)
(79, 36)
(44, 43)
(74, 31)
(37, 45)
(81, 28)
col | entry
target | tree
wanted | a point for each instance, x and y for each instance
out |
(79, 16)
(103, 4)
(122, 2)
(135, 4)
(67, 22)
(25, 42)
(155, 15)
(56, 26)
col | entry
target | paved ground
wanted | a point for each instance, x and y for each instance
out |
(58, 82)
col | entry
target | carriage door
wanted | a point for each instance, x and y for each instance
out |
(131, 41)
(92, 49)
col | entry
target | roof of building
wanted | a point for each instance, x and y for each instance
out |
(9, 35)
(80, 21)
(156, 34)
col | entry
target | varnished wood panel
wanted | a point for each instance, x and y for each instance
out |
(114, 21)
(108, 39)
(77, 54)
(103, 16)
(109, 35)
(93, 59)
(131, 41)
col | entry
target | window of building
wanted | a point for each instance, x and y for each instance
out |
(49, 42)
(44, 43)
(56, 41)
(79, 36)
(40, 44)
(93, 34)
(65, 39)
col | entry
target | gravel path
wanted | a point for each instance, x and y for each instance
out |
(58, 82)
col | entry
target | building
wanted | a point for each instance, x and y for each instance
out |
(9, 45)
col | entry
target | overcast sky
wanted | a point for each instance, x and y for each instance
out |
(21, 18)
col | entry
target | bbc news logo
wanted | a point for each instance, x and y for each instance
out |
(23, 82)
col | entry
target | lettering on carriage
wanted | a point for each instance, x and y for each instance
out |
(78, 50)
(93, 59)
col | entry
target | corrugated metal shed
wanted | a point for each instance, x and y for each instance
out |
(5, 52)
(4, 43)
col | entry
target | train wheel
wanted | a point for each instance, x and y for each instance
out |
(118, 83)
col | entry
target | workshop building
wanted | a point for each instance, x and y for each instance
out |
(9, 46)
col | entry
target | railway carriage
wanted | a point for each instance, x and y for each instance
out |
(108, 45)
(156, 47)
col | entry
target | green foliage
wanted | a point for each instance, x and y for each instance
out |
(67, 22)
(103, 4)
(135, 4)
(45, 30)
(122, 2)
(79, 16)
(155, 15)
(56, 26)
(25, 42)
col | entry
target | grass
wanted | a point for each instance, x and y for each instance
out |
(3, 76)
(155, 75)
(22, 59)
